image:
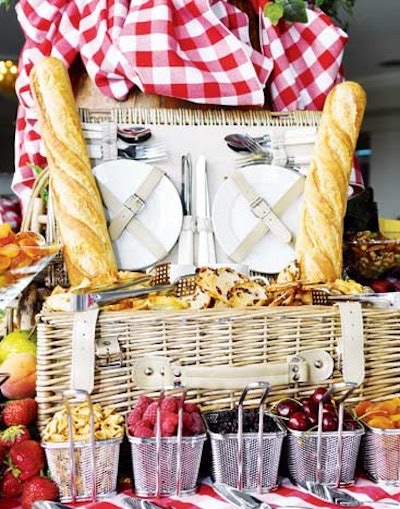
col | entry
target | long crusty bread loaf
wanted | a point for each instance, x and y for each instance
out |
(77, 203)
(320, 236)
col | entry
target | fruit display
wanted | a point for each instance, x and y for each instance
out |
(18, 250)
(22, 458)
(141, 420)
(383, 415)
(18, 359)
(302, 414)
(226, 421)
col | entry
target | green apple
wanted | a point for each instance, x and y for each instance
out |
(17, 341)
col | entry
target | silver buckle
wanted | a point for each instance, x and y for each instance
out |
(134, 203)
(260, 207)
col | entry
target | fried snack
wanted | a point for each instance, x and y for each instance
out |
(108, 424)
(320, 236)
(78, 208)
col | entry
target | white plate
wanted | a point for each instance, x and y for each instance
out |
(233, 219)
(162, 213)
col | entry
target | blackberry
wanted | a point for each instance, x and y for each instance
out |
(226, 421)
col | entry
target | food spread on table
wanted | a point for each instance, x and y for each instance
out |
(203, 223)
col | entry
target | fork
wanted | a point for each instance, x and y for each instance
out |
(292, 163)
(253, 145)
(153, 152)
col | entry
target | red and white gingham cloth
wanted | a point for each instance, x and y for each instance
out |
(197, 50)
(286, 495)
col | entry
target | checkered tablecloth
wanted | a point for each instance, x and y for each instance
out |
(188, 49)
(286, 495)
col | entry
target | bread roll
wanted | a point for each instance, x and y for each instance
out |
(320, 236)
(77, 203)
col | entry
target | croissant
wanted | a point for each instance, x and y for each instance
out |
(319, 241)
(78, 209)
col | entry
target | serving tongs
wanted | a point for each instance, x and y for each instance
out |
(160, 283)
(323, 297)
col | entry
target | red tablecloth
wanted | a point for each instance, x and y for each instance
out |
(286, 495)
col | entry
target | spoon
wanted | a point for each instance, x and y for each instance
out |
(239, 142)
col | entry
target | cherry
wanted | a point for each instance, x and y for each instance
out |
(318, 394)
(299, 421)
(351, 425)
(329, 422)
(310, 407)
(328, 408)
(287, 407)
(380, 286)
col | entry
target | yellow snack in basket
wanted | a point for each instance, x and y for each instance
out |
(108, 424)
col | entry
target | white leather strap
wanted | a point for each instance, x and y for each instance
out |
(127, 219)
(312, 366)
(134, 203)
(352, 342)
(83, 350)
(261, 208)
(262, 227)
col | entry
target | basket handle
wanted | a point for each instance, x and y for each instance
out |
(32, 206)
(311, 366)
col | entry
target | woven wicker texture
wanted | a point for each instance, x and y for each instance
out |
(214, 338)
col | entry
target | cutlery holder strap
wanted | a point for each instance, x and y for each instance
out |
(313, 366)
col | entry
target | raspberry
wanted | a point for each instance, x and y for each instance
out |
(187, 420)
(169, 422)
(142, 403)
(197, 427)
(142, 431)
(169, 404)
(150, 414)
(191, 408)
(134, 417)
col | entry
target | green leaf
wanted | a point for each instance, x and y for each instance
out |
(294, 10)
(274, 12)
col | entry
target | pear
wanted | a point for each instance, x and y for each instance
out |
(18, 341)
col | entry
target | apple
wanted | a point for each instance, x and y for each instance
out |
(22, 381)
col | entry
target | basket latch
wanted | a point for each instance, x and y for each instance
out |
(108, 352)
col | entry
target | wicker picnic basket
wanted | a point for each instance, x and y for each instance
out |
(215, 352)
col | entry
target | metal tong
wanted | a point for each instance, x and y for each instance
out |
(323, 297)
(184, 285)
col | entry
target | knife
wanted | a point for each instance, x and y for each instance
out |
(185, 245)
(206, 246)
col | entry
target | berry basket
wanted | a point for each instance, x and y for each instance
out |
(83, 470)
(324, 457)
(164, 466)
(246, 460)
(380, 455)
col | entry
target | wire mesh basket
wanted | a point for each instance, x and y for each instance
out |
(328, 457)
(246, 460)
(164, 466)
(103, 477)
(380, 455)
(83, 470)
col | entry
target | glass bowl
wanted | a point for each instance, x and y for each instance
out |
(369, 256)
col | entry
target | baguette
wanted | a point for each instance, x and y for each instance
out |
(320, 236)
(79, 213)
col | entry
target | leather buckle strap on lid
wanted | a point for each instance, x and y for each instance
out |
(127, 212)
(269, 216)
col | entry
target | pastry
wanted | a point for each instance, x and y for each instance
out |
(78, 208)
(320, 235)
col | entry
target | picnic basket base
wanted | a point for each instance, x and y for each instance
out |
(211, 338)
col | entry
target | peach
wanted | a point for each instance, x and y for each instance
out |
(22, 380)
